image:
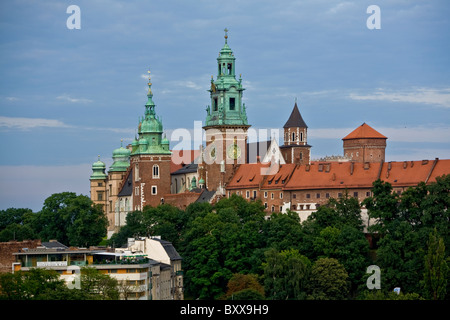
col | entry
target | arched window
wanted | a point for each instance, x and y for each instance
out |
(301, 136)
(155, 171)
(293, 136)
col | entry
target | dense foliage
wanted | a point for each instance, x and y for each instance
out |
(44, 284)
(69, 218)
(231, 250)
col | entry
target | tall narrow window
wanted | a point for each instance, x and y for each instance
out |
(301, 136)
(215, 104)
(232, 104)
(155, 171)
(229, 68)
(293, 136)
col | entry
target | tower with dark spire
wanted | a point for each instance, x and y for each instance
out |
(296, 148)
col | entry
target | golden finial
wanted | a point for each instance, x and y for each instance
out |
(226, 34)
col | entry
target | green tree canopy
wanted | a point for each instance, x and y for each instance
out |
(285, 274)
(71, 219)
(328, 280)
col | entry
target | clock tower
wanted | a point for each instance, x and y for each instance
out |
(226, 123)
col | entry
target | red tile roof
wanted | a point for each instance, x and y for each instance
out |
(364, 131)
(321, 175)
(248, 175)
(280, 178)
(339, 175)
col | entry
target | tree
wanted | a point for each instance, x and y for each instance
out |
(98, 286)
(219, 243)
(436, 269)
(285, 274)
(15, 224)
(282, 231)
(244, 286)
(166, 221)
(404, 223)
(71, 219)
(35, 284)
(328, 280)
(382, 206)
(400, 257)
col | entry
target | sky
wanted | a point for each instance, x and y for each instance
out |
(69, 95)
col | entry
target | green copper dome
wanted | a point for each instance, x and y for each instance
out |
(121, 157)
(151, 125)
(121, 152)
(226, 91)
(150, 130)
(98, 169)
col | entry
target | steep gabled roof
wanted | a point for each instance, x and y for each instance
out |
(295, 120)
(364, 131)
(127, 187)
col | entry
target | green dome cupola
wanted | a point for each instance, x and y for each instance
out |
(98, 170)
(150, 129)
(226, 92)
(121, 158)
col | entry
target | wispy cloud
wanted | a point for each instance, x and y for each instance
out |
(339, 7)
(29, 123)
(68, 98)
(438, 97)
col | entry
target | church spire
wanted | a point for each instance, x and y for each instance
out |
(150, 105)
(226, 106)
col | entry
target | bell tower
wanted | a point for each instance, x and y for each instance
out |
(226, 123)
(150, 158)
(296, 148)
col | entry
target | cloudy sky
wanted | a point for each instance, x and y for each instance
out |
(68, 95)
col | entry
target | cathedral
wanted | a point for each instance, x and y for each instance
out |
(283, 177)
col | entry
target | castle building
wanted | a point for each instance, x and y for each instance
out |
(282, 177)
(295, 148)
(365, 144)
(226, 124)
(150, 159)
